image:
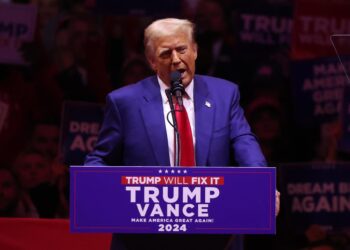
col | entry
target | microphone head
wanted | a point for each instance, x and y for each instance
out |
(177, 89)
(175, 76)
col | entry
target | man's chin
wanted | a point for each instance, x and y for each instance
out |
(186, 81)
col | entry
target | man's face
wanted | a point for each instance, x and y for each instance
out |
(32, 170)
(174, 53)
(267, 126)
(210, 17)
(45, 139)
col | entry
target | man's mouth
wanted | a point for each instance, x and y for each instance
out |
(182, 71)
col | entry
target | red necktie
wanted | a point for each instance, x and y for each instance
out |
(186, 140)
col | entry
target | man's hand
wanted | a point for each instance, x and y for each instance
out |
(277, 202)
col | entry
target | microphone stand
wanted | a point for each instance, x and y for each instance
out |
(176, 131)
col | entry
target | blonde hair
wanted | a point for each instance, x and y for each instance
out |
(166, 27)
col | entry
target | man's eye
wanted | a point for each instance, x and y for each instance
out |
(182, 50)
(165, 54)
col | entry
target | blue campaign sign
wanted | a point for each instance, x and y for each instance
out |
(318, 87)
(315, 193)
(17, 25)
(160, 200)
(265, 27)
(80, 126)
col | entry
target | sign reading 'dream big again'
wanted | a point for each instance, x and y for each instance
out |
(173, 200)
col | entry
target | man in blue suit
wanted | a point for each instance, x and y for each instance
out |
(136, 130)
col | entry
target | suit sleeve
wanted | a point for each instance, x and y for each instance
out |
(108, 148)
(244, 144)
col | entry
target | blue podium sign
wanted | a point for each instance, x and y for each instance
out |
(200, 200)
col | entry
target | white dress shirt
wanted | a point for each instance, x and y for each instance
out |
(188, 104)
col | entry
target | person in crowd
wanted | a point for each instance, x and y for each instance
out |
(265, 114)
(32, 169)
(35, 176)
(77, 69)
(216, 41)
(19, 110)
(134, 69)
(12, 202)
(124, 36)
(326, 150)
(136, 132)
(45, 139)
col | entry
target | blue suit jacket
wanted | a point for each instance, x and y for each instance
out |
(133, 132)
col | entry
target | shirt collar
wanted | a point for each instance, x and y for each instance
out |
(163, 87)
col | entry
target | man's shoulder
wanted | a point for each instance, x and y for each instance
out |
(134, 90)
(215, 83)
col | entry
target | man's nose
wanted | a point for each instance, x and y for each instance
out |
(175, 57)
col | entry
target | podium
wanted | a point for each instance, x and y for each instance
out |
(173, 200)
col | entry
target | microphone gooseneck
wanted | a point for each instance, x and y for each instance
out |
(174, 125)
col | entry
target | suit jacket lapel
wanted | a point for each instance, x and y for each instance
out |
(153, 118)
(204, 118)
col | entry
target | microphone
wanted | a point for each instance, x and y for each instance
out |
(177, 89)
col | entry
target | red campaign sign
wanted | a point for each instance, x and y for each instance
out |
(173, 180)
(315, 22)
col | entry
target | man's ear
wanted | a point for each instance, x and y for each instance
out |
(152, 64)
(195, 50)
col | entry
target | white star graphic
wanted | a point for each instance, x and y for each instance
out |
(185, 171)
(179, 171)
(172, 171)
(166, 171)
(160, 171)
